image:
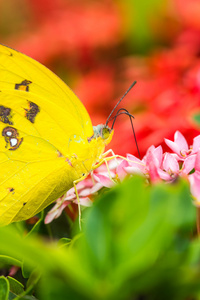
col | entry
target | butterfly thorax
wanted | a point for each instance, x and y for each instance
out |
(89, 153)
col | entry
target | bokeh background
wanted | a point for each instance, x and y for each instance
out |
(99, 47)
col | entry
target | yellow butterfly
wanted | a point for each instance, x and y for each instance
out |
(47, 141)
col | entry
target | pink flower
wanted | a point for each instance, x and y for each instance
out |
(188, 164)
(153, 160)
(147, 166)
(180, 145)
(155, 166)
(104, 179)
(170, 168)
(133, 165)
(196, 144)
(194, 180)
(56, 211)
(85, 188)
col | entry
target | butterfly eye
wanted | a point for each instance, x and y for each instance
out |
(12, 139)
(105, 132)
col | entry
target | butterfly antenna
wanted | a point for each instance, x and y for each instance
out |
(132, 85)
(123, 111)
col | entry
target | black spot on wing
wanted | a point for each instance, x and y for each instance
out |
(5, 115)
(23, 86)
(32, 111)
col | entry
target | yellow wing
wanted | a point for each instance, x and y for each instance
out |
(45, 137)
(21, 72)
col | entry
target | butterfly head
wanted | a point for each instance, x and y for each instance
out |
(104, 132)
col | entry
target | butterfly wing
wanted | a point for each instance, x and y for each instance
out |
(39, 117)
(21, 72)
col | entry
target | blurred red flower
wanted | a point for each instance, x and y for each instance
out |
(68, 28)
(87, 43)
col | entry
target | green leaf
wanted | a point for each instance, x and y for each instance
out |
(26, 270)
(132, 228)
(36, 226)
(4, 288)
(27, 297)
(15, 286)
(54, 288)
(137, 241)
(7, 260)
(11, 296)
(33, 279)
(64, 242)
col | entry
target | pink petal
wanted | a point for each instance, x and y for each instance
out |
(134, 170)
(196, 144)
(132, 157)
(89, 191)
(136, 162)
(179, 145)
(49, 218)
(153, 172)
(150, 149)
(158, 154)
(84, 201)
(86, 183)
(152, 165)
(164, 175)
(55, 212)
(69, 198)
(101, 168)
(97, 186)
(114, 163)
(85, 192)
(195, 185)
(197, 161)
(70, 192)
(180, 141)
(155, 154)
(112, 174)
(170, 164)
(121, 169)
(173, 146)
(104, 180)
(189, 164)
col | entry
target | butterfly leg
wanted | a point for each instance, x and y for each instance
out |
(114, 156)
(105, 160)
(75, 182)
(109, 151)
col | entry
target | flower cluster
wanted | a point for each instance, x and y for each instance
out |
(155, 166)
